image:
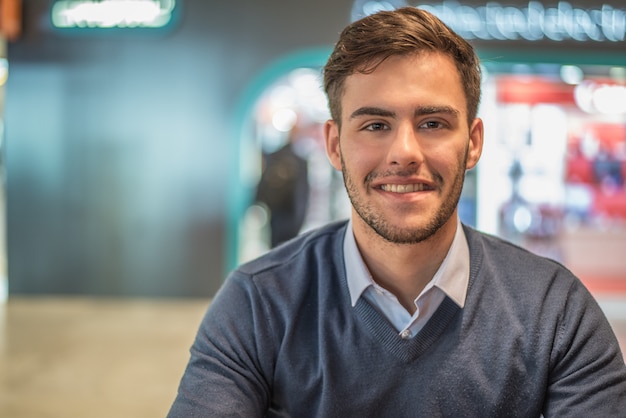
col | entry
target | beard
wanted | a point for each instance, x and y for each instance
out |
(405, 234)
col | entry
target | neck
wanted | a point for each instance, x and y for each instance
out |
(403, 269)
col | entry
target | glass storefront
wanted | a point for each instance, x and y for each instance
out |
(552, 177)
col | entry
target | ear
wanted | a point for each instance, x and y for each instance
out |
(331, 135)
(475, 145)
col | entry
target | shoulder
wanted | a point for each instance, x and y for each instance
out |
(296, 264)
(506, 271)
(534, 307)
(295, 277)
(306, 247)
(520, 285)
(488, 251)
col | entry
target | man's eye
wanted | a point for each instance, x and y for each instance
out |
(375, 127)
(431, 124)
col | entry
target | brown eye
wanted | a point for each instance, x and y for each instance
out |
(375, 127)
(431, 124)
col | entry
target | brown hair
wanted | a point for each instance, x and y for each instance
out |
(364, 44)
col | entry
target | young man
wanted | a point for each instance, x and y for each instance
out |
(403, 311)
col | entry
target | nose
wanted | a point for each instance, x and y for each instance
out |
(405, 148)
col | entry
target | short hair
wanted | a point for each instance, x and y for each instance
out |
(367, 42)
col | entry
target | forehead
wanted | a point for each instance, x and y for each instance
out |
(426, 78)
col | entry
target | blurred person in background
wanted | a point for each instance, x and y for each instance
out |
(402, 310)
(284, 187)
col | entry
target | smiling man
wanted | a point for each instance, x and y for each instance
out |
(402, 310)
(405, 145)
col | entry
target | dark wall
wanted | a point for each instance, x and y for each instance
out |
(119, 146)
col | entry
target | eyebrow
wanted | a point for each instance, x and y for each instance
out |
(419, 111)
(372, 111)
(431, 110)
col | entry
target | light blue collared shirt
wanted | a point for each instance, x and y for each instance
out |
(451, 279)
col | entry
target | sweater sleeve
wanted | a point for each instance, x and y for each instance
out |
(588, 375)
(229, 372)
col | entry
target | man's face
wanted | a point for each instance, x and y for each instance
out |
(404, 146)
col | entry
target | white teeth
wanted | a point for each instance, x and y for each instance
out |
(403, 188)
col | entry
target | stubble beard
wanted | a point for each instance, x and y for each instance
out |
(405, 235)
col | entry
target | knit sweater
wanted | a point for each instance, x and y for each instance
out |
(282, 339)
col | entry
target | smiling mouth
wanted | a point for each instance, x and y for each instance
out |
(405, 188)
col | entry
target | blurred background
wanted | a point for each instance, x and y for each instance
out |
(139, 138)
(134, 134)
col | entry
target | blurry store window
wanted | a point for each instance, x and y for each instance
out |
(553, 176)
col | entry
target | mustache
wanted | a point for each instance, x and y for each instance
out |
(407, 172)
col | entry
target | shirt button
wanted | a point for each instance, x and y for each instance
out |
(406, 334)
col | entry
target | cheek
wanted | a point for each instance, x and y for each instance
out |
(361, 167)
(440, 158)
(352, 157)
(451, 155)
(446, 165)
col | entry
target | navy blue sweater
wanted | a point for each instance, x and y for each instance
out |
(282, 339)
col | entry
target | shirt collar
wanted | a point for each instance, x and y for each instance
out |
(452, 277)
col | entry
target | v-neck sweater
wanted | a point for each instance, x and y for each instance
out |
(282, 339)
